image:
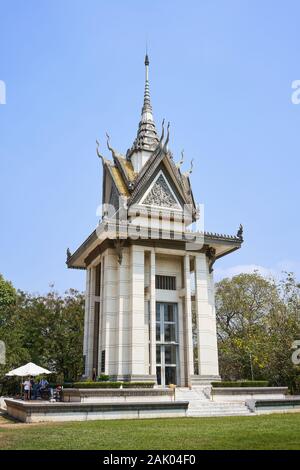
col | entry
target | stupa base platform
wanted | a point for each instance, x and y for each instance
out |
(34, 412)
(112, 395)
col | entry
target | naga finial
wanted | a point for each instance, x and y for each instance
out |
(162, 132)
(112, 150)
(239, 233)
(165, 147)
(178, 165)
(69, 254)
(108, 142)
(97, 150)
(190, 171)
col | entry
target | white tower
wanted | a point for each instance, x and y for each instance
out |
(150, 309)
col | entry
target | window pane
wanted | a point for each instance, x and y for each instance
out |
(169, 313)
(165, 311)
(158, 374)
(170, 354)
(169, 332)
(157, 331)
(170, 375)
(158, 312)
(158, 354)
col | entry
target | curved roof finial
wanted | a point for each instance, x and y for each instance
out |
(108, 141)
(69, 254)
(167, 139)
(97, 150)
(115, 154)
(189, 172)
(178, 165)
(240, 233)
(162, 131)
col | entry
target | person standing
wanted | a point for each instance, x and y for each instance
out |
(35, 388)
(27, 387)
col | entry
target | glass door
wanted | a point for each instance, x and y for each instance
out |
(166, 343)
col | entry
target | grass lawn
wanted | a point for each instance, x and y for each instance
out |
(277, 431)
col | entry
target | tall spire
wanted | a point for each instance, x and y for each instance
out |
(147, 138)
(147, 108)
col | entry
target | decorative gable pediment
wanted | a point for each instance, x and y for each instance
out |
(160, 194)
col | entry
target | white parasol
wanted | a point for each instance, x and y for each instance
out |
(28, 369)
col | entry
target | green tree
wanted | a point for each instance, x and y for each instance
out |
(257, 322)
(47, 330)
(8, 296)
(11, 328)
(53, 331)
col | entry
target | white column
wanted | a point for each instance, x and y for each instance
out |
(100, 318)
(206, 318)
(152, 315)
(86, 318)
(188, 320)
(90, 337)
(137, 312)
(110, 304)
(123, 292)
(181, 338)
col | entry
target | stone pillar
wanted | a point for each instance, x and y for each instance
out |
(138, 316)
(101, 318)
(206, 322)
(122, 294)
(181, 340)
(103, 307)
(188, 321)
(110, 306)
(90, 327)
(152, 315)
(86, 319)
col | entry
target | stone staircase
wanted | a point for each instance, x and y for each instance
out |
(201, 405)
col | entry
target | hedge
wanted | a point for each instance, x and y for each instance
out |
(97, 384)
(65, 384)
(138, 384)
(103, 378)
(113, 384)
(242, 383)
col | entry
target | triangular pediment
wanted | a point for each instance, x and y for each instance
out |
(161, 194)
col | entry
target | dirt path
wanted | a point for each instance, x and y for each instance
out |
(6, 422)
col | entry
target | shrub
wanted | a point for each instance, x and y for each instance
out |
(10, 386)
(138, 384)
(97, 384)
(108, 384)
(242, 383)
(103, 378)
(68, 384)
(295, 386)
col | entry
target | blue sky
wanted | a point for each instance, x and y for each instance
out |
(220, 71)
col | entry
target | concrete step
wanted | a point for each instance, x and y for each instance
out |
(196, 414)
(201, 405)
(216, 404)
(223, 410)
(219, 410)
